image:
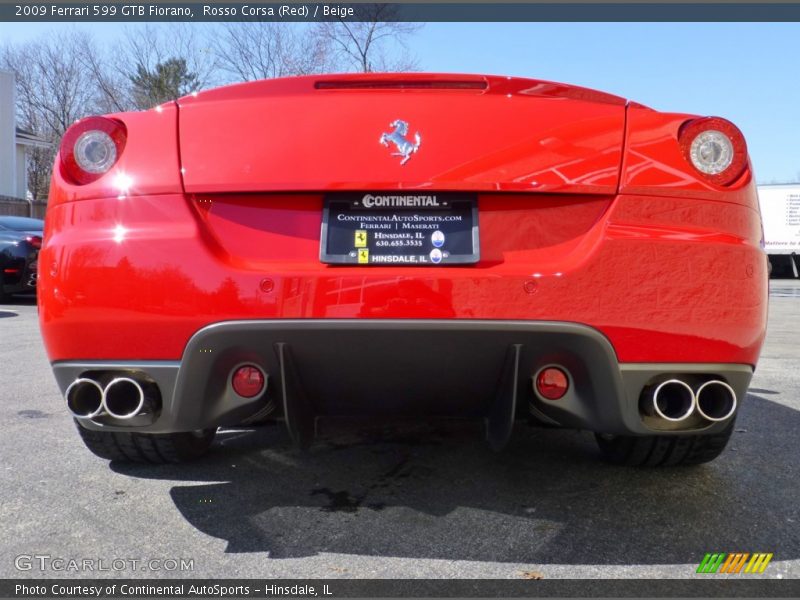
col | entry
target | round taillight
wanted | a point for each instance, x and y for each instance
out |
(552, 383)
(91, 147)
(248, 381)
(715, 148)
(95, 151)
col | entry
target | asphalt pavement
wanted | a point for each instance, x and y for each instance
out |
(402, 500)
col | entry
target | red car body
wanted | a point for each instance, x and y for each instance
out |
(589, 213)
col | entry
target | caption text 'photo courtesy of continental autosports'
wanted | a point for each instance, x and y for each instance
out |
(407, 244)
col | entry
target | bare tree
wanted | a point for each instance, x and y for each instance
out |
(54, 89)
(113, 93)
(149, 45)
(377, 44)
(147, 49)
(66, 76)
(262, 50)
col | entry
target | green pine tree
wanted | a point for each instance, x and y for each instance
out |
(168, 80)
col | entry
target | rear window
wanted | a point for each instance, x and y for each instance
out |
(21, 224)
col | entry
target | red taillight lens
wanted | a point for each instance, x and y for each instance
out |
(552, 383)
(91, 147)
(248, 381)
(34, 240)
(715, 148)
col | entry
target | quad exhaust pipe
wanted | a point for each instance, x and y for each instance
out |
(122, 398)
(716, 400)
(675, 400)
(84, 398)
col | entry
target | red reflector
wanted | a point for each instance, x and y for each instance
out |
(552, 383)
(248, 381)
(11, 271)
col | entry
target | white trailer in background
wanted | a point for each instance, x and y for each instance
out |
(780, 212)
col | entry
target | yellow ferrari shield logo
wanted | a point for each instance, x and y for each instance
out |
(363, 256)
(361, 238)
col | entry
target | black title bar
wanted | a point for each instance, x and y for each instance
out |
(98, 12)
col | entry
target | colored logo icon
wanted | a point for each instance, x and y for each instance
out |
(363, 256)
(437, 239)
(361, 238)
(436, 256)
(733, 563)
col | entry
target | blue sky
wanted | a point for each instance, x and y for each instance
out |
(746, 72)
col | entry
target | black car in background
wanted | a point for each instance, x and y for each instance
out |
(20, 240)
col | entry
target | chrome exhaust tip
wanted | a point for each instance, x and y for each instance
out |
(674, 400)
(84, 398)
(123, 398)
(716, 400)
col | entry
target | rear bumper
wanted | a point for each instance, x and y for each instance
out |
(664, 279)
(461, 368)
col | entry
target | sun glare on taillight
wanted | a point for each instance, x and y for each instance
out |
(715, 148)
(91, 147)
(34, 240)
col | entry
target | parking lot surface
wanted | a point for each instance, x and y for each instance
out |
(401, 500)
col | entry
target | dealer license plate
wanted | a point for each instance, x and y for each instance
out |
(391, 228)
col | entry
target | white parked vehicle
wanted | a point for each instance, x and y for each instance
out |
(780, 213)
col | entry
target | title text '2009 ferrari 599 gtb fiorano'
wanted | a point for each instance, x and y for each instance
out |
(431, 245)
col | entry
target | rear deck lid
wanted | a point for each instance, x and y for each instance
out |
(409, 131)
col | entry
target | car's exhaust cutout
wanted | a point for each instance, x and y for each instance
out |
(124, 398)
(673, 400)
(84, 398)
(716, 400)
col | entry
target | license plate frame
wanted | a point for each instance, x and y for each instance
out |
(400, 229)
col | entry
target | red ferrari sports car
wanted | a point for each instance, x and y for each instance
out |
(404, 244)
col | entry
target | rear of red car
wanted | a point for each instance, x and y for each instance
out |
(437, 245)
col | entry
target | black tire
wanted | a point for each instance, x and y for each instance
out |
(663, 450)
(147, 448)
(4, 297)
